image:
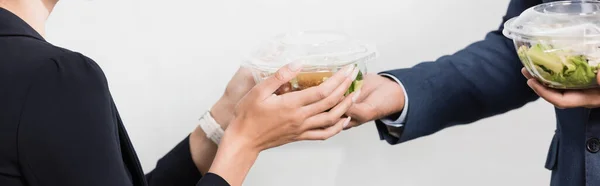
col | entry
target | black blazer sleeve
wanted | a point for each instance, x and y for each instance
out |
(479, 81)
(68, 134)
(178, 168)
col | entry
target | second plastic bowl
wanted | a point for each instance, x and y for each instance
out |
(559, 43)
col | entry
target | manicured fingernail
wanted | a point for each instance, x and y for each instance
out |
(295, 66)
(355, 96)
(354, 74)
(347, 122)
(349, 69)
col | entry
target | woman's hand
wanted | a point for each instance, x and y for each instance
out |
(264, 120)
(267, 120)
(588, 98)
(202, 149)
(238, 86)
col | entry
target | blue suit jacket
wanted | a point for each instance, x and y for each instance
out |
(483, 80)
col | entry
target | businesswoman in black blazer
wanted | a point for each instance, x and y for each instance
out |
(59, 125)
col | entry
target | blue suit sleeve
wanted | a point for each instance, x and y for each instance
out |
(482, 80)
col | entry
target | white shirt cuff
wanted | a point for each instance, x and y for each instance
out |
(397, 122)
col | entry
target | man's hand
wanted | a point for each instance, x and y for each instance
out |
(588, 98)
(238, 86)
(380, 97)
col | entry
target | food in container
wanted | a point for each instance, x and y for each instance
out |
(322, 53)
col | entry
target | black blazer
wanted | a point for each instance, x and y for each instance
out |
(59, 125)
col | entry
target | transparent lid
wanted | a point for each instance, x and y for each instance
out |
(557, 20)
(316, 49)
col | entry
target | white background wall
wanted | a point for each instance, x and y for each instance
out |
(168, 61)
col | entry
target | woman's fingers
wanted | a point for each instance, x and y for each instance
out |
(285, 74)
(327, 119)
(352, 123)
(323, 134)
(330, 101)
(333, 98)
(318, 93)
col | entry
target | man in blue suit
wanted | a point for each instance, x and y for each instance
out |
(479, 81)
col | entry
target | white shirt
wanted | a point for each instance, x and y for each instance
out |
(396, 122)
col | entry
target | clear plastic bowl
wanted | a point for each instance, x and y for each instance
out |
(322, 54)
(559, 42)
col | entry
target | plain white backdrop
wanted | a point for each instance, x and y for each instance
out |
(169, 61)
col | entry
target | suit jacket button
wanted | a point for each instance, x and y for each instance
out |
(593, 145)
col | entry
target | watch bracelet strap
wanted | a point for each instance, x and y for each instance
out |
(211, 128)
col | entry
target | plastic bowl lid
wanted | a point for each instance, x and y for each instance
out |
(316, 49)
(557, 20)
